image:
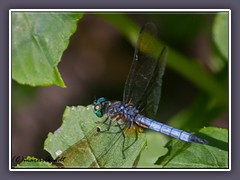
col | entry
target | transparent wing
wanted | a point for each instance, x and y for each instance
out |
(87, 150)
(153, 92)
(145, 76)
(100, 149)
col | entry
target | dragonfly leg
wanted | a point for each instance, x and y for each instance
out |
(102, 122)
(121, 130)
(124, 137)
(131, 124)
(109, 125)
(105, 120)
(108, 128)
(127, 125)
(117, 124)
(136, 138)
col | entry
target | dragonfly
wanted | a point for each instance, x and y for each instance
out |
(142, 92)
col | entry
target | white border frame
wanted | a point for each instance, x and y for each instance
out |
(117, 10)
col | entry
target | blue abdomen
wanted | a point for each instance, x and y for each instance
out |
(168, 130)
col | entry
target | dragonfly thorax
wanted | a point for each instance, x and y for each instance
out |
(120, 109)
(128, 111)
(115, 109)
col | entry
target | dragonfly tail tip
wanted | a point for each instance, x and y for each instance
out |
(196, 139)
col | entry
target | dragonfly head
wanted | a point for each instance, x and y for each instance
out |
(99, 106)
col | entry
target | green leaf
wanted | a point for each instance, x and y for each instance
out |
(220, 33)
(32, 162)
(191, 155)
(38, 41)
(155, 148)
(81, 146)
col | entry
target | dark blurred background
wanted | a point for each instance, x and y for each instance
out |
(96, 64)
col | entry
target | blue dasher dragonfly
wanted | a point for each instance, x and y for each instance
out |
(142, 92)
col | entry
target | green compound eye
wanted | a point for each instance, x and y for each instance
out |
(97, 109)
(98, 106)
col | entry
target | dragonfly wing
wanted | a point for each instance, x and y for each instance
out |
(153, 93)
(144, 79)
(87, 150)
(142, 66)
(81, 154)
(102, 149)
